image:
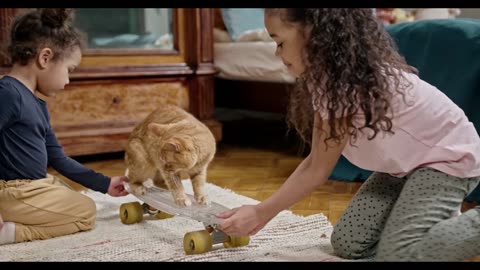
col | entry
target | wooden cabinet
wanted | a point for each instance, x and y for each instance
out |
(114, 89)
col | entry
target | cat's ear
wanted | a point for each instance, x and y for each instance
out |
(157, 129)
(172, 145)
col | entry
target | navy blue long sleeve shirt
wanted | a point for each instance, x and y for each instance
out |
(28, 144)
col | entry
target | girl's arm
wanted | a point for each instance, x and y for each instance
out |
(72, 169)
(77, 172)
(309, 175)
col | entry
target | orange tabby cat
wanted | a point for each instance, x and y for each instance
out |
(170, 144)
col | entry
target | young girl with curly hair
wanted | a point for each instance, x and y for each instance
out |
(356, 96)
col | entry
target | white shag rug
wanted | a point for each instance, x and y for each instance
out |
(287, 237)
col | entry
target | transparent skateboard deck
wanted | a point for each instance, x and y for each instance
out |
(162, 200)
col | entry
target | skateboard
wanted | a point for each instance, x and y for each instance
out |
(159, 203)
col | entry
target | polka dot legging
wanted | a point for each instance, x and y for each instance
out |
(414, 218)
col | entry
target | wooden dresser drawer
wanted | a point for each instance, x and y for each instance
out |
(104, 104)
(110, 109)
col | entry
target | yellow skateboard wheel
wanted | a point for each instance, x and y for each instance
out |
(197, 242)
(237, 241)
(131, 213)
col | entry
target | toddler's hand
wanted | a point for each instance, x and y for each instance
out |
(116, 188)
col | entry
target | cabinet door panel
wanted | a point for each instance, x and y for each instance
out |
(112, 105)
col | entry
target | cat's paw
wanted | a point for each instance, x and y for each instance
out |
(139, 189)
(183, 201)
(201, 199)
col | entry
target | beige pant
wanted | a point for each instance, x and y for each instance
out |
(45, 208)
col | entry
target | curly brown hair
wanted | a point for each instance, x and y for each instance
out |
(51, 27)
(354, 55)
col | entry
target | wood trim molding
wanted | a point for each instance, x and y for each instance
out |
(126, 72)
(137, 71)
(206, 69)
(200, 35)
(206, 26)
(202, 97)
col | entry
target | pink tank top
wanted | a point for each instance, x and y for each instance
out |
(429, 131)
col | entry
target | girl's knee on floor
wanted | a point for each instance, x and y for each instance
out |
(346, 247)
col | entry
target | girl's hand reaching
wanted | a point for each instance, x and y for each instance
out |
(116, 188)
(242, 221)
